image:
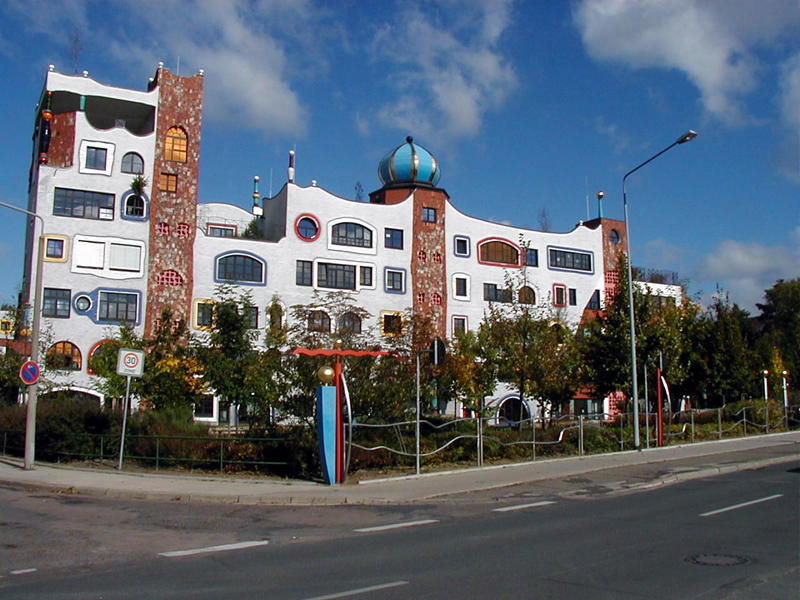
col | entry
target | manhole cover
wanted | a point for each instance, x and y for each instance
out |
(717, 560)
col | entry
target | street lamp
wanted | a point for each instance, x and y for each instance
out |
(765, 374)
(686, 137)
(784, 373)
(33, 389)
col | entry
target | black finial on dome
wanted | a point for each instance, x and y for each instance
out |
(409, 139)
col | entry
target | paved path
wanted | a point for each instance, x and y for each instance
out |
(654, 466)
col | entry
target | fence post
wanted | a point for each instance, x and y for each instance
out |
(533, 436)
(766, 416)
(744, 412)
(5, 439)
(621, 431)
(480, 435)
(580, 435)
(691, 411)
(221, 445)
(719, 422)
(158, 448)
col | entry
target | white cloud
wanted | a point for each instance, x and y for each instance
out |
(747, 269)
(713, 43)
(450, 73)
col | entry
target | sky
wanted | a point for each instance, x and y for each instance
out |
(530, 107)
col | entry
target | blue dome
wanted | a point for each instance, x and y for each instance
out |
(409, 163)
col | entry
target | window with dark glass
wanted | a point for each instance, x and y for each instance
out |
(567, 259)
(594, 301)
(319, 320)
(238, 267)
(461, 287)
(393, 238)
(132, 163)
(54, 248)
(573, 297)
(134, 206)
(365, 276)
(428, 214)
(96, 158)
(303, 272)
(459, 324)
(250, 315)
(220, 231)
(394, 281)
(392, 324)
(350, 322)
(205, 314)
(531, 257)
(341, 277)
(307, 228)
(461, 246)
(559, 295)
(117, 307)
(351, 234)
(56, 303)
(500, 252)
(492, 293)
(83, 204)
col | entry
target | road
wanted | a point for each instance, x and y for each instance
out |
(729, 536)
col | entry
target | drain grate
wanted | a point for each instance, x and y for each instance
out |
(717, 560)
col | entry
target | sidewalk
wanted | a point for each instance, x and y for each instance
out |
(670, 464)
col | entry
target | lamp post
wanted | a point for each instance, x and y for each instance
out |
(33, 389)
(765, 375)
(686, 137)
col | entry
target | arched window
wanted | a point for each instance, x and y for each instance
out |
(132, 163)
(239, 267)
(64, 356)
(526, 295)
(96, 350)
(169, 278)
(319, 320)
(134, 206)
(498, 252)
(349, 323)
(175, 144)
(351, 234)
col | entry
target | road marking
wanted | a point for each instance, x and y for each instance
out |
(22, 571)
(523, 506)
(396, 526)
(366, 590)
(735, 506)
(208, 549)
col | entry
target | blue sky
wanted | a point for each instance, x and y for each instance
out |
(528, 106)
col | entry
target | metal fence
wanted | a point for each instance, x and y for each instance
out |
(201, 452)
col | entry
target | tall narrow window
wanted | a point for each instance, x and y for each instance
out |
(303, 273)
(175, 144)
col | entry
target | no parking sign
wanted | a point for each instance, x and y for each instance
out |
(130, 362)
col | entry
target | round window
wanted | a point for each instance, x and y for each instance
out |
(614, 237)
(307, 228)
(83, 303)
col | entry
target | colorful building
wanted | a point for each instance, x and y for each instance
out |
(114, 177)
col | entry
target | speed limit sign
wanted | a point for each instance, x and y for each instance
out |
(130, 362)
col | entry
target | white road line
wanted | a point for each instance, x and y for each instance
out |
(735, 506)
(365, 590)
(396, 526)
(208, 549)
(523, 506)
(22, 571)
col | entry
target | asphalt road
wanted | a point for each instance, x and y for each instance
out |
(729, 536)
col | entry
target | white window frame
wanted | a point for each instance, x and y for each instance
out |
(104, 267)
(352, 249)
(455, 286)
(84, 151)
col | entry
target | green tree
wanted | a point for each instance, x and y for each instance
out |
(10, 363)
(780, 325)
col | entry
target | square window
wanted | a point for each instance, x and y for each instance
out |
(96, 158)
(304, 272)
(55, 248)
(168, 182)
(392, 324)
(393, 238)
(461, 246)
(395, 281)
(56, 303)
(428, 214)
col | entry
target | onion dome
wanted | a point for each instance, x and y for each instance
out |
(409, 163)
